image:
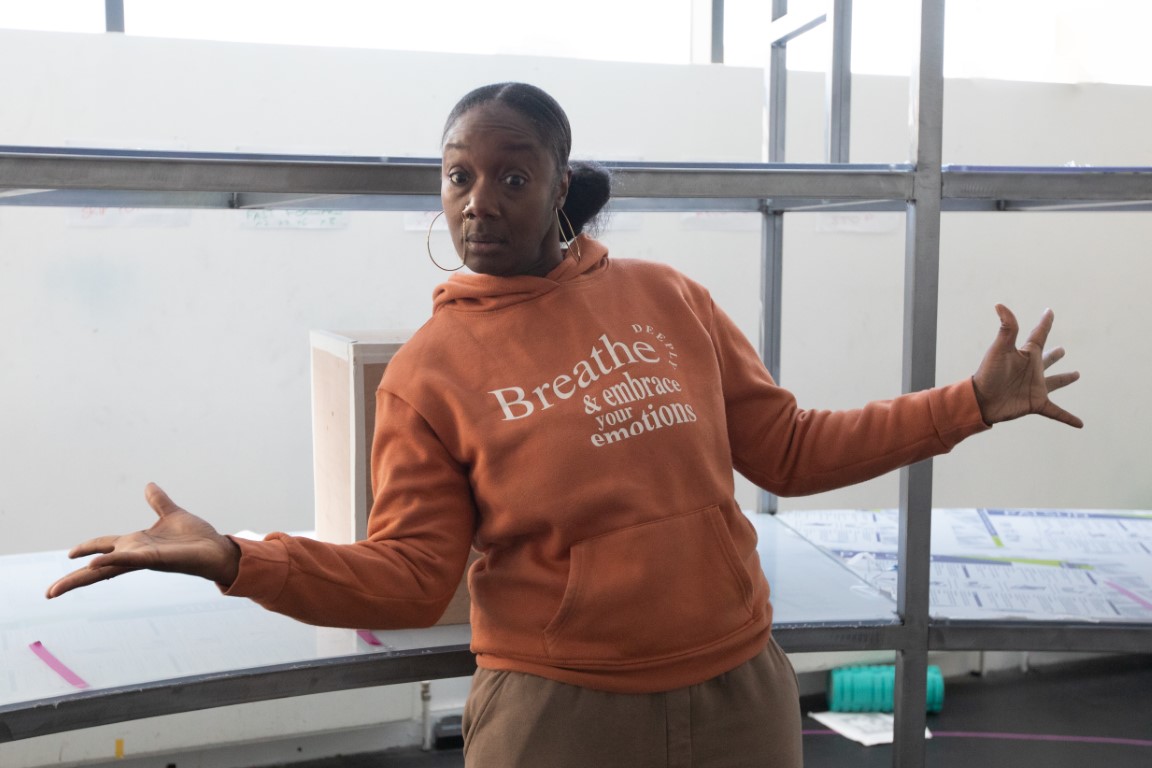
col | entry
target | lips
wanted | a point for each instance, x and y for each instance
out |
(480, 238)
(481, 244)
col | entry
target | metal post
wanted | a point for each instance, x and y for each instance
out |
(838, 85)
(707, 43)
(777, 89)
(113, 15)
(771, 270)
(717, 31)
(772, 226)
(921, 299)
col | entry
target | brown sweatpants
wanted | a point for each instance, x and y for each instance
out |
(746, 718)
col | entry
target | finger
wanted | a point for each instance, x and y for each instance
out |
(1009, 327)
(1061, 380)
(1039, 335)
(82, 577)
(113, 552)
(159, 501)
(1053, 356)
(1056, 413)
(98, 546)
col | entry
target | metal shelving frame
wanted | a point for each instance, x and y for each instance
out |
(934, 190)
(924, 189)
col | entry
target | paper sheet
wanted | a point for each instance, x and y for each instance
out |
(868, 728)
(1081, 565)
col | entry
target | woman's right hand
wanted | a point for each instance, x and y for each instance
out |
(178, 542)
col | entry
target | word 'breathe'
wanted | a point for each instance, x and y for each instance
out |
(606, 356)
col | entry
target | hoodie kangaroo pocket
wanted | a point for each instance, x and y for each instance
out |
(651, 590)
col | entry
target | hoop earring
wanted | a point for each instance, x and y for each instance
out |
(567, 243)
(428, 245)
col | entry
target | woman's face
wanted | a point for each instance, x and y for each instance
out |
(500, 193)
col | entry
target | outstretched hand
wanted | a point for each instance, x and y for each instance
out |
(1012, 382)
(178, 542)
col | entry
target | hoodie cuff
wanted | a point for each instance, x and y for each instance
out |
(263, 569)
(955, 412)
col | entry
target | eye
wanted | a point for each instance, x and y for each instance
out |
(457, 177)
(515, 180)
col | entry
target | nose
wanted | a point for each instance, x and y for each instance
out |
(482, 201)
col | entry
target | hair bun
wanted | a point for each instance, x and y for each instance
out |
(588, 193)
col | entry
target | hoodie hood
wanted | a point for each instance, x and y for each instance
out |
(483, 293)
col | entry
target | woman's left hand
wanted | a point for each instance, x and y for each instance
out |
(1012, 382)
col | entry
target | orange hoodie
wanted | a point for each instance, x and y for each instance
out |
(580, 430)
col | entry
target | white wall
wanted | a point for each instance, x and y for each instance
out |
(173, 345)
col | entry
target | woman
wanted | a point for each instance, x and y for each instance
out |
(576, 420)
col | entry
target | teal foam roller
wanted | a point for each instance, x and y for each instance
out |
(870, 689)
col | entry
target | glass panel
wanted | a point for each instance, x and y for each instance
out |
(812, 586)
(996, 564)
(173, 345)
(842, 324)
(1030, 124)
(1091, 270)
(153, 626)
(639, 30)
(150, 626)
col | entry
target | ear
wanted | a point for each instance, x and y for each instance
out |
(562, 187)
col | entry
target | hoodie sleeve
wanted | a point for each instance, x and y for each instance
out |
(793, 452)
(406, 571)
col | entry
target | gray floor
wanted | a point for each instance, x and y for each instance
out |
(1086, 715)
(1082, 715)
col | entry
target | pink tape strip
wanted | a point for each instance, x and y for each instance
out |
(367, 636)
(1129, 594)
(57, 666)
